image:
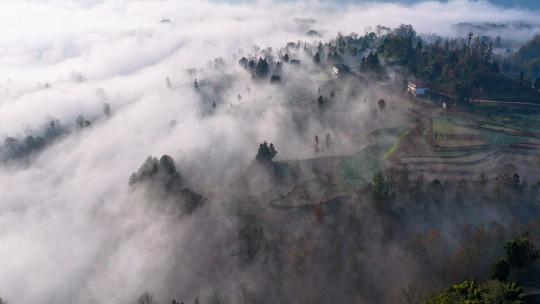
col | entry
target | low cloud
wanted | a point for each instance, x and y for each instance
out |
(71, 231)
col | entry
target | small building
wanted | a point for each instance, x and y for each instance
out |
(340, 69)
(417, 88)
(294, 61)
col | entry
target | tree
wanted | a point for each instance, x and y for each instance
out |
(382, 104)
(251, 236)
(161, 172)
(381, 188)
(410, 295)
(167, 163)
(405, 31)
(317, 57)
(536, 83)
(521, 253)
(320, 101)
(502, 292)
(371, 62)
(470, 292)
(107, 109)
(54, 129)
(266, 153)
(286, 58)
(163, 178)
(261, 69)
(148, 169)
(275, 79)
(516, 182)
(145, 298)
(436, 186)
(328, 140)
(191, 72)
(82, 122)
(500, 270)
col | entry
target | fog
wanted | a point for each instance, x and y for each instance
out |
(71, 228)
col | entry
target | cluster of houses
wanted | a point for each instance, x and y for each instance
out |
(414, 87)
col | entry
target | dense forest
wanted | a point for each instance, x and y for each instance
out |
(440, 234)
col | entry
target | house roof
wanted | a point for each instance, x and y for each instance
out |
(341, 67)
(418, 83)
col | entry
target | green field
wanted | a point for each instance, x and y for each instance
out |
(447, 126)
(359, 168)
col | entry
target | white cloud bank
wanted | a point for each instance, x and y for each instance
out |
(69, 231)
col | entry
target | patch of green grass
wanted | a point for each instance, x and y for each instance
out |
(497, 138)
(446, 126)
(359, 168)
(499, 128)
(394, 147)
(522, 121)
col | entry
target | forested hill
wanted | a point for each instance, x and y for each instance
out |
(528, 4)
(531, 4)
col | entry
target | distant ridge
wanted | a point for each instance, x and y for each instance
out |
(526, 4)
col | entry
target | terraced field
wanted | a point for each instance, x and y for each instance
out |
(454, 165)
(446, 146)
(465, 145)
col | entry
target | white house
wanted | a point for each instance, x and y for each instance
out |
(340, 69)
(417, 88)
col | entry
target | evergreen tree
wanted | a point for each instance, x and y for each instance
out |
(516, 182)
(521, 252)
(500, 270)
(261, 69)
(266, 153)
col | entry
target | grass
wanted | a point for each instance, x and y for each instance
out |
(497, 138)
(498, 128)
(521, 119)
(359, 168)
(518, 120)
(395, 146)
(446, 126)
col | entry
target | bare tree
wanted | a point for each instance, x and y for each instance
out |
(107, 109)
(409, 295)
(191, 72)
(146, 298)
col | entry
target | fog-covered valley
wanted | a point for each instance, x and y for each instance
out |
(265, 152)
